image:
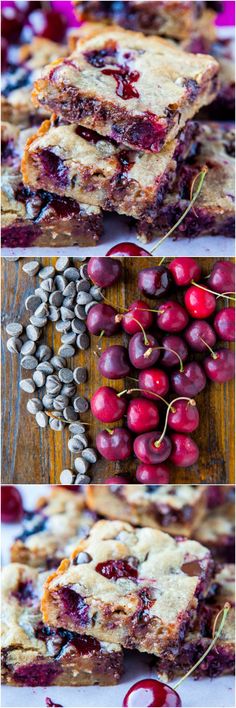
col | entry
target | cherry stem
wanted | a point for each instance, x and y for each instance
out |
(142, 390)
(191, 402)
(127, 309)
(213, 291)
(149, 351)
(213, 354)
(216, 635)
(201, 176)
(162, 260)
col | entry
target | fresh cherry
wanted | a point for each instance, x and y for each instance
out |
(150, 692)
(183, 417)
(152, 474)
(199, 303)
(190, 381)
(106, 405)
(185, 451)
(184, 270)
(104, 272)
(222, 277)
(102, 318)
(224, 324)
(114, 362)
(118, 479)
(221, 367)
(138, 312)
(138, 346)
(142, 415)
(173, 317)
(115, 445)
(154, 282)
(11, 504)
(127, 249)
(146, 451)
(153, 381)
(12, 22)
(176, 344)
(198, 334)
(47, 23)
(4, 53)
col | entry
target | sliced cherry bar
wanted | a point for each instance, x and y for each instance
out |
(196, 332)
(190, 381)
(221, 368)
(106, 405)
(222, 277)
(138, 312)
(138, 348)
(199, 303)
(114, 362)
(102, 318)
(224, 324)
(150, 692)
(173, 317)
(152, 474)
(115, 445)
(147, 452)
(183, 417)
(184, 270)
(142, 415)
(104, 272)
(153, 381)
(184, 452)
(127, 249)
(154, 282)
(177, 344)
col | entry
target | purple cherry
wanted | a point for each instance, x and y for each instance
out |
(138, 348)
(114, 362)
(199, 332)
(190, 381)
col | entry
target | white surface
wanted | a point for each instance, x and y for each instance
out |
(216, 693)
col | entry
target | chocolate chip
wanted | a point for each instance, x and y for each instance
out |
(191, 568)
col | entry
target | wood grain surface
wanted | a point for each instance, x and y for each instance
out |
(33, 455)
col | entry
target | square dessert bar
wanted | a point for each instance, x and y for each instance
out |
(18, 79)
(176, 509)
(171, 19)
(217, 532)
(78, 163)
(137, 587)
(213, 212)
(137, 90)
(53, 529)
(39, 217)
(221, 658)
(33, 654)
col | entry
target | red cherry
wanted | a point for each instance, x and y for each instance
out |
(127, 249)
(104, 272)
(114, 362)
(198, 334)
(106, 405)
(47, 23)
(176, 344)
(222, 277)
(184, 270)
(149, 692)
(221, 368)
(155, 281)
(137, 311)
(102, 318)
(142, 415)
(224, 324)
(152, 474)
(118, 479)
(184, 452)
(114, 445)
(199, 303)
(138, 349)
(147, 452)
(12, 22)
(190, 381)
(11, 504)
(153, 381)
(173, 317)
(184, 418)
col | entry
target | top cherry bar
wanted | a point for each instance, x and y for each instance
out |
(137, 90)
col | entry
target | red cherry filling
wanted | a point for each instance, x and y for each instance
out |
(36, 674)
(11, 504)
(149, 692)
(114, 569)
(53, 167)
(25, 593)
(74, 606)
(146, 133)
(49, 703)
(124, 81)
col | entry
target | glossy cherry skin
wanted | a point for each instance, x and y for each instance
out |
(114, 362)
(104, 272)
(11, 504)
(117, 445)
(185, 451)
(183, 417)
(196, 332)
(224, 324)
(199, 303)
(222, 368)
(177, 344)
(154, 282)
(222, 277)
(138, 311)
(184, 270)
(117, 479)
(142, 415)
(106, 405)
(12, 21)
(101, 318)
(173, 317)
(152, 474)
(137, 349)
(127, 249)
(153, 381)
(150, 692)
(47, 23)
(190, 381)
(147, 452)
